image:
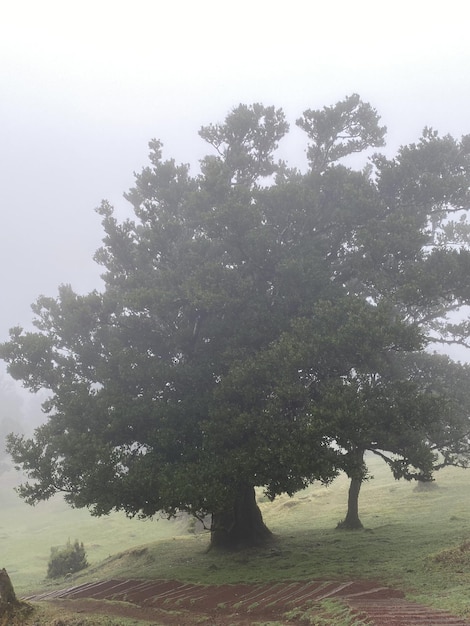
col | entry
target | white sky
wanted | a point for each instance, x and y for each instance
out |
(85, 85)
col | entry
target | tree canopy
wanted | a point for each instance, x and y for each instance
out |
(256, 327)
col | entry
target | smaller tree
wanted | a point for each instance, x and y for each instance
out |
(414, 415)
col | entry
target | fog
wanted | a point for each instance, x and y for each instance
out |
(86, 85)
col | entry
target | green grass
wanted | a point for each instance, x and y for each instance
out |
(404, 531)
(28, 533)
(45, 614)
(327, 613)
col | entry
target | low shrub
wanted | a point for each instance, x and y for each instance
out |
(67, 560)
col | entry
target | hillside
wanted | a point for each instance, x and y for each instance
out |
(407, 542)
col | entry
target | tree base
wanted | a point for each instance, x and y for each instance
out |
(350, 525)
(241, 526)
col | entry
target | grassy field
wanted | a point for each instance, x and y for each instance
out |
(28, 533)
(413, 540)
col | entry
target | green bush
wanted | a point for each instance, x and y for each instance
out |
(67, 560)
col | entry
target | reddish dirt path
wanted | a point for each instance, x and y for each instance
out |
(172, 602)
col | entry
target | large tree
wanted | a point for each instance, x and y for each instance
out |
(134, 421)
(235, 303)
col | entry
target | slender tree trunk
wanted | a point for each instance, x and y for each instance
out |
(352, 521)
(356, 475)
(242, 525)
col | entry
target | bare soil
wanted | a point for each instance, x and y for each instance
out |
(176, 603)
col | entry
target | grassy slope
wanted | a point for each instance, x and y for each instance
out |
(404, 529)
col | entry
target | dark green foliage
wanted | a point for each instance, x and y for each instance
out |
(66, 560)
(340, 130)
(258, 327)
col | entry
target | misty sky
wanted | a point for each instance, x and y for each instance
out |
(85, 85)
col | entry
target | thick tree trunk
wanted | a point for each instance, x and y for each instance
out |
(241, 526)
(356, 475)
